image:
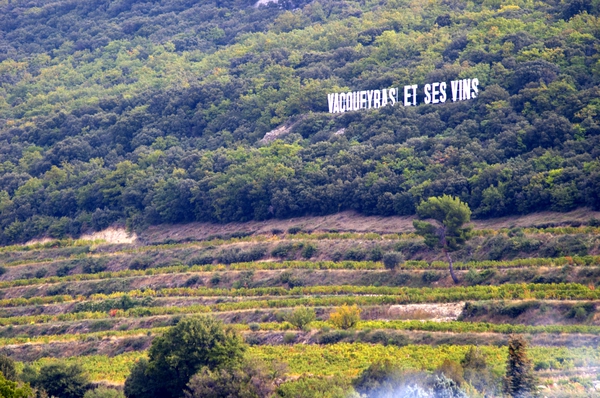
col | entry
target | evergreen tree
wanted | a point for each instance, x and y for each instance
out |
(447, 233)
(519, 381)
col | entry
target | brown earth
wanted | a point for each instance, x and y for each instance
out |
(350, 221)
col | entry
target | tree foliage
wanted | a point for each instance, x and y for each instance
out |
(180, 353)
(251, 379)
(345, 317)
(519, 382)
(61, 380)
(301, 316)
(448, 233)
(157, 113)
(7, 368)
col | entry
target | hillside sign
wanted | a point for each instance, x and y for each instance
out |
(433, 93)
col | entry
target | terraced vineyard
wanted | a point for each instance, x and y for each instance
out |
(101, 304)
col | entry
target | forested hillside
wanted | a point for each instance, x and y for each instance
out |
(155, 111)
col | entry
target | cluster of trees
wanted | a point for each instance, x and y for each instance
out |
(197, 358)
(53, 380)
(155, 112)
(471, 377)
(200, 357)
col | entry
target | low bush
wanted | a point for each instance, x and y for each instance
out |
(392, 260)
(192, 281)
(202, 259)
(289, 338)
(237, 255)
(345, 317)
(282, 250)
(140, 263)
(301, 317)
(294, 230)
(355, 254)
(309, 251)
(94, 265)
(431, 276)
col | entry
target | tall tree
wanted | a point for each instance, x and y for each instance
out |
(447, 232)
(181, 352)
(519, 381)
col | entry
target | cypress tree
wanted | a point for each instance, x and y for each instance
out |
(519, 381)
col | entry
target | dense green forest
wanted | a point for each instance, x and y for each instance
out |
(152, 112)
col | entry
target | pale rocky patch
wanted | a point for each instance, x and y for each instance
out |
(112, 235)
(275, 134)
(439, 312)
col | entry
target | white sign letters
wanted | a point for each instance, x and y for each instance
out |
(432, 93)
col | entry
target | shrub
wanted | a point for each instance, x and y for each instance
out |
(392, 260)
(380, 378)
(514, 310)
(593, 222)
(337, 255)
(237, 255)
(93, 265)
(580, 312)
(477, 372)
(250, 380)
(64, 270)
(254, 326)
(289, 338)
(244, 281)
(140, 263)
(333, 337)
(301, 317)
(282, 250)
(452, 370)
(101, 325)
(355, 254)
(203, 259)
(376, 254)
(542, 365)
(431, 276)
(3, 270)
(474, 278)
(215, 279)
(193, 280)
(345, 317)
(294, 230)
(251, 339)
(40, 273)
(309, 251)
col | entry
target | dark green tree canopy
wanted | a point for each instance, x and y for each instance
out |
(62, 380)
(451, 215)
(447, 233)
(519, 382)
(182, 351)
(180, 96)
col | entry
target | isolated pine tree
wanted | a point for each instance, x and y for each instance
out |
(519, 381)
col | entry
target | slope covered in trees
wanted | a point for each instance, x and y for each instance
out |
(154, 112)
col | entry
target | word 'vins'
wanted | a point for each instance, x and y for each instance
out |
(434, 93)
